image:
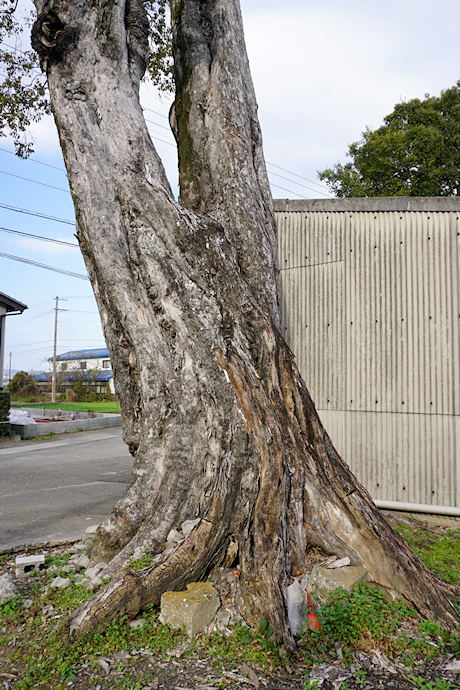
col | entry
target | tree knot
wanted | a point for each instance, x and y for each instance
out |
(51, 39)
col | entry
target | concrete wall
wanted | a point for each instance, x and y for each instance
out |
(371, 308)
(30, 429)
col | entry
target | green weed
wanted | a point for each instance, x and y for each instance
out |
(245, 645)
(365, 616)
(439, 551)
(11, 607)
(139, 563)
(438, 683)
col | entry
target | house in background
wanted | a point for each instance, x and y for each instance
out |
(8, 307)
(94, 364)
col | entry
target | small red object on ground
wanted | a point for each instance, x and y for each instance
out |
(313, 622)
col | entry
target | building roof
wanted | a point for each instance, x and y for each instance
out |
(105, 375)
(10, 304)
(84, 354)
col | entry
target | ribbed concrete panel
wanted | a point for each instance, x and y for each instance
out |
(371, 308)
(399, 293)
(316, 327)
(310, 239)
(399, 457)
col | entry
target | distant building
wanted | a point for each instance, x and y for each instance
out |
(8, 307)
(94, 363)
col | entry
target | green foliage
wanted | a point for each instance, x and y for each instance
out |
(23, 93)
(245, 645)
(439, 551)
(4, 411)
(416, 152)
(365, 616)
(145, 561)
(10, 608)
(311, 684)
(24, 97)
(160, 64)
(20, 380)
(438, 684)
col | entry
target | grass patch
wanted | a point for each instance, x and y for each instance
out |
(108, 406)
(439, 550)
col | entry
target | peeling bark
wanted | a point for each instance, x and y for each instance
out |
(214, 410)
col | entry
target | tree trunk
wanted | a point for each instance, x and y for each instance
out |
(214, 410)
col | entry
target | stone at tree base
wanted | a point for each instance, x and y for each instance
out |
(297, 607)
(321, 580)
(454, 667)
(194, 609)
(94, 571)
(60, 582)
(188, 525)
(8, 589)
(174, 537)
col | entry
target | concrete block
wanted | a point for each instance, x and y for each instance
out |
(27, 564)
(194, 609)
(322, 580)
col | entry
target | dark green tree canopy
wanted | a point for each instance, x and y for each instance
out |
(416, 152)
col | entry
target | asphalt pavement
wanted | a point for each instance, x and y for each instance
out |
(53, 490)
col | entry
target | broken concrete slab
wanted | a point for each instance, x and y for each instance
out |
(92, 529)
(60, 582)
(8, 589)
(193, 609)
(321, 580)
(454, 667)
(81, 561)
(95, 570)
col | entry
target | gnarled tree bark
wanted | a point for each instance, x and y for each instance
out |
(215, 413)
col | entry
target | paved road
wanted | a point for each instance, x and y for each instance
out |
(54, 490)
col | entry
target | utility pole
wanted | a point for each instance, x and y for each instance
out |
(9, 373)
(53, 380)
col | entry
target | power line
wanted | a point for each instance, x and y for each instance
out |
(168, 129)
(296, 175)
(36, 213)
(48, 268)
(39, 237)
(287, 190)
(156, 112)
(35, 160)
(43, 184)
(163, 141)
(270, 172)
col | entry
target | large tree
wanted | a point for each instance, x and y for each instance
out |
(416, 152)
(214, 410)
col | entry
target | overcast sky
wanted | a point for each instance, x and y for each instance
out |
(322, 73)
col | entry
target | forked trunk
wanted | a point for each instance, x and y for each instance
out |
(215, 413)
